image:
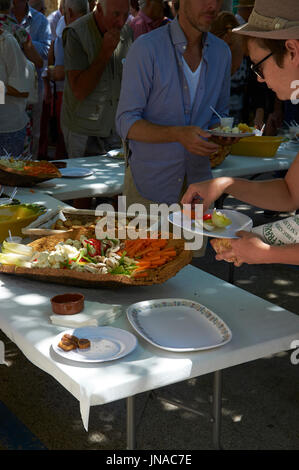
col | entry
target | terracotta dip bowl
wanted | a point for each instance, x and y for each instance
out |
(67, 304)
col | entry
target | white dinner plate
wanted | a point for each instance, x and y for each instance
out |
(107, 344)
(117, 153)
(239, 222)
(231, 134)
(178, 325)
(75, 172)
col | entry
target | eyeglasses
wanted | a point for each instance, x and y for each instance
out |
(256, 68)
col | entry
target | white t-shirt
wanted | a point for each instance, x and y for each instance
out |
(192, 79)
(14, 71)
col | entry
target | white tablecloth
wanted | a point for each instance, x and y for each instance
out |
(107, 179)
(259, 329)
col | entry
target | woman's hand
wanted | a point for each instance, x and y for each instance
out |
(209, 191)
(249, 249)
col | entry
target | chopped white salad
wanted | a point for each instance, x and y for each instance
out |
(86, 254)
(239, 129)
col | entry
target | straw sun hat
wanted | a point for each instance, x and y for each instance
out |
(273, 19)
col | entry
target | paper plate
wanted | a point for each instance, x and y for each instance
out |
(231, 134)
(239, 222)
(107, 344)
(117, 153)
(75, 172)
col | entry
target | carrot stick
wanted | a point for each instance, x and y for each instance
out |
(168, 253)
(144, 266)
(138, 246)
(143, 274)
(152, 258)
(143, 252)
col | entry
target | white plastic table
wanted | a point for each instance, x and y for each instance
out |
(108, 176)
(35, 196)
(259, 329)
(239, 166)
(106, 180)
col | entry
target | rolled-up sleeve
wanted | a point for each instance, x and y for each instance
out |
(41, 37)
(135, 88)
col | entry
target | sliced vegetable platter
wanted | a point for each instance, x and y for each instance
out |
(78, 258)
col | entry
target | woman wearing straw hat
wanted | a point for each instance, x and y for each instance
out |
(272, 36)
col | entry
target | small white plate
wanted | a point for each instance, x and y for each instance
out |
(231, 134)
(73, 172)
(178, 325)
(107, 344)
(239, 222)
(117, 153)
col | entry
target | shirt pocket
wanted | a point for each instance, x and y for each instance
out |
(93, 106)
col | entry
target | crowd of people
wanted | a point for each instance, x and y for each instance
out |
(79, 52)
(146, 75)
(75, 72)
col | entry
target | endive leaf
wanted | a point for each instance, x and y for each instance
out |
(18, 248)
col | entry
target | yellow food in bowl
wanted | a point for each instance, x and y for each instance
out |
(16, 217)
(257, 146)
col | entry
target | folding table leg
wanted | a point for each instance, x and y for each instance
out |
(217, 405)
(131, 424)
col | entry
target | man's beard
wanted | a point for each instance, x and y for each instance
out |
(199, 27)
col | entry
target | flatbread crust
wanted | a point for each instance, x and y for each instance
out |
(221, 245)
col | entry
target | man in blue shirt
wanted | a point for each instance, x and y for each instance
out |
(39, 29)
(171, 77)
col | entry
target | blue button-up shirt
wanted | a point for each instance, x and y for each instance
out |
(154, 88)
(37, 25)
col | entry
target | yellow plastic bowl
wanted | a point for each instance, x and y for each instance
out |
(257, 146)
(14, 218)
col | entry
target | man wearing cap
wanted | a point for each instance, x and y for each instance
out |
(172, 77)
(273, 43)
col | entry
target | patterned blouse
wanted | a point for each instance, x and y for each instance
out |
(7, 23)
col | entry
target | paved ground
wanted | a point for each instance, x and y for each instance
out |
(260, 399)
